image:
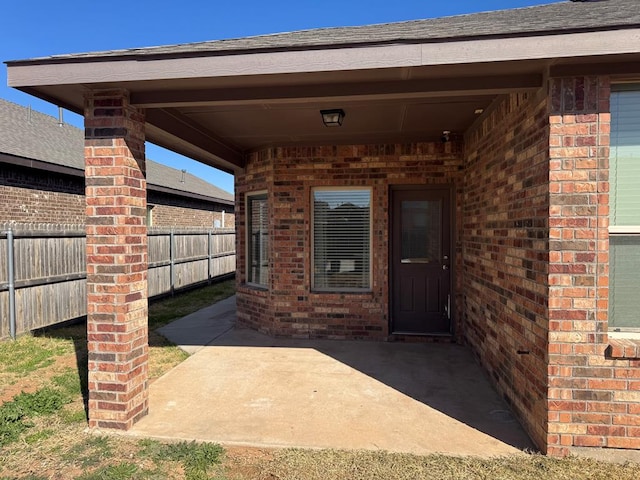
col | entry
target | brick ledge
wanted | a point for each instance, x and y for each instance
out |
(626, 348)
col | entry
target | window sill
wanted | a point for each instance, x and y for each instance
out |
(253, 288)
(341, 292)
(623, 348)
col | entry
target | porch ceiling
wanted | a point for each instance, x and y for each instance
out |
(217, 119)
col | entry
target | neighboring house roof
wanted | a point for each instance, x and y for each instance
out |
(32, 135)
(562, 17)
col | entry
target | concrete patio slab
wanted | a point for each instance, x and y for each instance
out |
(244, 388)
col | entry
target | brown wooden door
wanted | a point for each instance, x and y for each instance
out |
(421, 260)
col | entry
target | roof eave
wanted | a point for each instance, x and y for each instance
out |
(10, 159)
(195, 196)
(105, 69)
(218, 49)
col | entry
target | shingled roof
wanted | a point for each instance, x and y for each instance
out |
(33, 135)
(555, 18)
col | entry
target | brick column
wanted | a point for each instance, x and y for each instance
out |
(116, 260)
(582, 403)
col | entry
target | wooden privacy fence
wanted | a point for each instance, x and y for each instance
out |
(43, 269)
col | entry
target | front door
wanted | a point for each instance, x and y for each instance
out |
(421, 260)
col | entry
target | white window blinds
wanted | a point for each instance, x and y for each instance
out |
(341, 239)
(257, 240)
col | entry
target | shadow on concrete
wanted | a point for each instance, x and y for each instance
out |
(443, 377)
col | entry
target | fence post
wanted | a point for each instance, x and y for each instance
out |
(209, 238)
(172, 261)
(12, 284)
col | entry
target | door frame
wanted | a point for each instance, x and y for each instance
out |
(450, 190)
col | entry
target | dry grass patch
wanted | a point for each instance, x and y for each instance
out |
(295, 464)
(72, 453)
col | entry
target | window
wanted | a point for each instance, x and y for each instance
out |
(624, 210)
(257, 240)
(341, 239)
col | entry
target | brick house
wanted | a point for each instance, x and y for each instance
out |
(475, 183)
(42, 178)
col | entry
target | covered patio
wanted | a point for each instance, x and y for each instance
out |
(482, 140)
(241, 387)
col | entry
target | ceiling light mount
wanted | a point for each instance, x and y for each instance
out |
(333, 117)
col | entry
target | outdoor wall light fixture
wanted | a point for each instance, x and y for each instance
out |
(332, 118)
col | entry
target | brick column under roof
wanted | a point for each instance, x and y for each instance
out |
(116, 193)
(594, 387)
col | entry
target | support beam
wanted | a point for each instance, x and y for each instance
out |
(630, 67)
(200, 144)
(300, 94)
(116, 193)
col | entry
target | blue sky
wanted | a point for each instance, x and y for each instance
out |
(36, 28)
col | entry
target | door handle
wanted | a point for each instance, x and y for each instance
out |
(447, 308)
(445, 267)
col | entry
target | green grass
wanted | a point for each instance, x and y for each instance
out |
(68, 382)
(165, 310)
(72, 416)
(15, 415)
(121, 471)
(29, 354)
(91, 453)
(39, 436)
(196, 458)
(45, 401)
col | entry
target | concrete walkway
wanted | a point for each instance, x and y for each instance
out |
(244, 388)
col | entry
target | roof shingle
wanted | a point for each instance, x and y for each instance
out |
(33, 135)
(555, 18)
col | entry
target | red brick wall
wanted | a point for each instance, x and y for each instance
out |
(116, 261)
(594, 382)
(505, 251)
(532, 256)
(288, 174)
(254, 305)
(34, 196)
(31, 196)
(170, 211)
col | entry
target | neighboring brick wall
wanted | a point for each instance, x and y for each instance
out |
(594, 399)
(31, 196)
(175, 211)
(505, 252)
(35, 196)
(288, 174)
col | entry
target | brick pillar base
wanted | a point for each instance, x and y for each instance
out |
(116, 260)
